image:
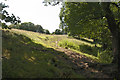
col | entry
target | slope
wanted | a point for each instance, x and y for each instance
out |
(30, 55)
(23, 58)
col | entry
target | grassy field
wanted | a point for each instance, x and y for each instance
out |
(49, 39)
(28, 54)
(55, 41)
(27, 58)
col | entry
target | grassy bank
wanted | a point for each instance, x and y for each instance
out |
(29, 54)
(23, 58)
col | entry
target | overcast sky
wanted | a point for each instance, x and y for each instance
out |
(35, 11)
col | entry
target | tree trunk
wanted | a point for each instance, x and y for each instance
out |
(115, 47)
(114, 28)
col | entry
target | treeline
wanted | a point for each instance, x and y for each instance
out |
(61, 31)
(29, 26)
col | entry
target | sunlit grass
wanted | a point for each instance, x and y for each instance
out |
(53, 41)
(44, 38)
(87, 55)
(34, 53)
(23, 58)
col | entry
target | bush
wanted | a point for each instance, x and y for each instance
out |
(105, 56)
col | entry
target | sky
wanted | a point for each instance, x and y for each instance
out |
(34, 11)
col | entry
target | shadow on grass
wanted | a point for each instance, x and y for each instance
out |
(23, 58)
(89, 50)
(84, 40)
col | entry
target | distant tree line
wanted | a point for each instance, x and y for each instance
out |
(29, 26)
(16, 23)
(61, 32)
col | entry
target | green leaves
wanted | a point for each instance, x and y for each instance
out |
(86, 20)
(6, 17)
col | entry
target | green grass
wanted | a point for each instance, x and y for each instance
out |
(88, 50)
(82, 47)
(27, 58)
(49, 40)
(33, 55)
(53, 41)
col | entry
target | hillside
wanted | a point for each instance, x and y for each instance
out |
(28, 54)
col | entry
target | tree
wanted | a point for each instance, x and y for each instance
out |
(5, 17)
(114, 28)
(85, 28)
(58, 31)
(46, 31)
(14, 26)
(30, 27)
(93, 18)
(39, 29)
(65, 30)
